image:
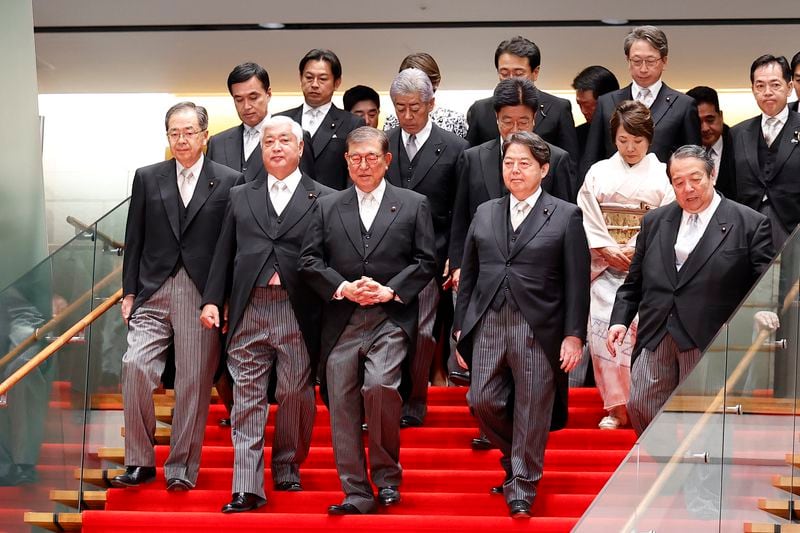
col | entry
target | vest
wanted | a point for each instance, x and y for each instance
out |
(271, 264)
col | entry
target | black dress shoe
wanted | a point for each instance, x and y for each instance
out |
(134, 475)
(176, 484)
(410, 422)
(460, 378)
(519, 509)
(345, 508)
(388, 495)
(289, 486)
(364, 427)
(481, 443)
(243, 501)
(496, 490)
(224, 422)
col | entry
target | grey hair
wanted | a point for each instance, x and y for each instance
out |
(693, 151)
(412, 81)
(280, 120)
(202, 114)
(651, 34)
(366, 134)
(537, 146)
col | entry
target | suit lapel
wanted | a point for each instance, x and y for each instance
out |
(500, 210)
(393, 175)
(168, 186)
(427, 156)
(234, 148)
(718, 229)
(669, 233)
(536, 219)
(786, 145)
(254, 164)
(490, 168)
(751, 134)
(203, 189)
(623, 94)
(387, 212)
(348, 212)
(303, 198)
(666, 97)
(326, 131)
(541, 114)
(257, 200)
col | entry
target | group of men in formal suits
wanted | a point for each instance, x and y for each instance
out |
(307, 246)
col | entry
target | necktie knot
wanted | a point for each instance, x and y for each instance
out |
(644, 96)
(367, 199)
(771, 130)
(185, 187)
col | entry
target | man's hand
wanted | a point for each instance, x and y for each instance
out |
(209, 317)
(455, 277)
(571, 352)
(125, 307)
(375, 293)
(616, 334)
(459, 359)
(615, 257)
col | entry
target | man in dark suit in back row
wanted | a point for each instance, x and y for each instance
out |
(326, 124)
(674, 114)
(174, 218)
(273, 318)
(368, 253)
(716, 138)
(520, 58)
(703, 244)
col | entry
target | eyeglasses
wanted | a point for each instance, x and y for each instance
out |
(188, 135)
(356, 159)
(638, 62)
(522, 123)
(522, 164)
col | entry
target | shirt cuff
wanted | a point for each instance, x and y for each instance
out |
(338, 295)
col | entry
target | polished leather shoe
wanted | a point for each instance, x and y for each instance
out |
(364, 427)
(243, 501)
(410, 422)
(388, 495)
(134, 475)
(224, 422)
(481, 443)
(345, 508)
(176, 484)
(496, 490)
(289, 486)
(519, 509)
(460, 378)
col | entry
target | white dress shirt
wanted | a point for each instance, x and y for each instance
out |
(322, 111)
(281, 200)
(782, 117)
(654, 90)
(251, 140)
(420, 137)
(530, 200)
(192, 185)
(368, 213)
(688, 239)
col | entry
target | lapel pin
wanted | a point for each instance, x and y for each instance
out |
(546, 211)
(333, 125)
(211, 184)
(796, 137)
(393, 209)
(312, 195)
(723, 228)
(438, 151)
(667, 98)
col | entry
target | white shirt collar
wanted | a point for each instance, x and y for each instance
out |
(324, 108)
(782, 117)
(705, 215)
(291, 181)
(422, 136)
(654, 89)
(377, 192)
(258, 127)
(530, 200)
(717, 147)
(196, 168)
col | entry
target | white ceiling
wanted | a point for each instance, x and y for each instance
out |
(198, 62)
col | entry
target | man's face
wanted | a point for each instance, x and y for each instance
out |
(710, 123)
(770, 89)
(280, 150)
(693, 186)
(186, 140)
(251, 99)
(412, 112)
(367, 110)
(645, 63)
(511, 66)
(522, 174)
(587, 102)
(366, 174)
(317, 83)
(514, 119)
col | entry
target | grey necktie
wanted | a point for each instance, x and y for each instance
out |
(250, 141)
(411, 147)
(771, 130)
(367, 210)
(644, 96)
(186, 187)
(687, 241)
(278, 195)
(519, 213)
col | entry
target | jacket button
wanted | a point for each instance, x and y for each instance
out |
(508, 263)
(366, 261)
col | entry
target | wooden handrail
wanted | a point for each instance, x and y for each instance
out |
(72, 221)
(39, 333)
(65, 337)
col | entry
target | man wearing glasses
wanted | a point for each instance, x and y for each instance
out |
(674, 114)
(175, 215)
(368, 252)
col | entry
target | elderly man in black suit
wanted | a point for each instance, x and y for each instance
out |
(716, 138)
(273, 316)
(368, 253)
(326, 125)
(522, 314)
(767, 152)
(674, 114)
(174, 218)
(424, 159)
(702, 244)
(519, 57)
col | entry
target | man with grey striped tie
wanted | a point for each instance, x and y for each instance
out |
(176, 211)
(273, 316)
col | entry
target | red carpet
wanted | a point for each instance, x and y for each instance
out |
(445, 483)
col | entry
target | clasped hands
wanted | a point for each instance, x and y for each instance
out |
(366, 291)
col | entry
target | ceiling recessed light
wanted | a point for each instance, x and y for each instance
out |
(614, 22)
(272, 25)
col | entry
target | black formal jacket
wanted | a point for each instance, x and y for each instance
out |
(434, 177)
(480, 179)
(675, 124)
(227, 148)
(155, 237)
(548, 275)
(246, 242)
(783, 190)
(726, 178)
(793, 106)
(553, 123)
(730, 256)
(326, 148)
(401, 256)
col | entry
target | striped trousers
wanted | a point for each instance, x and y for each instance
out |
(170, 316)
(512, 395)
(654, 376)
(417, 403)
(268, 334)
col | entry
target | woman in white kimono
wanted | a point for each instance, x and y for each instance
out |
(614, 196)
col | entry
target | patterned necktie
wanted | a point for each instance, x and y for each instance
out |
(519, 213)
(644, 96)
(186, 186)
(411, 147)
(687, 241)
(771, 130)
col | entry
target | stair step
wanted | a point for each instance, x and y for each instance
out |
(780, 507)
(787, 483)
(92, 499)
(760, 527)
(54, 521)
(98, 476)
